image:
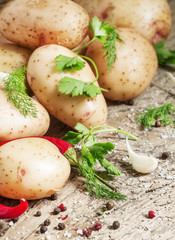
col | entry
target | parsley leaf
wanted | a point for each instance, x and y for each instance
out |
(82, 129)
(76, 87)
(90, 152)
(164, 55)
(14, 85)
(64, 63)
(164, 114)
(98, 27)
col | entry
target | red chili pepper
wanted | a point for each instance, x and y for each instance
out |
(13, 212)
(64, 147)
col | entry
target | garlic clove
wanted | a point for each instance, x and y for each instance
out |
(170, 75)
(141, 163)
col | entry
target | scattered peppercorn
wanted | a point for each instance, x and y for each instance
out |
(62, 207)
(61, 226)
(157, 124)
(165, 155)
(47, 222)
(151, 214)
(116, 225)
(38, 213)
(43, 229)
(57, 210)
(110, 205)
(54, 196)
(97, 226)
(87, 232)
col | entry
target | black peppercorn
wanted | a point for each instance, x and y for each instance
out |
(61, 226)
(116, 225)
(43, 229)
(54, 196)
(57, 210)
(110, 205)
(165, 155)
(157, 124)
(38, 213)
(47, 222)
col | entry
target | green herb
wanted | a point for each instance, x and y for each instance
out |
(16, 92)
(91, 153)
(164, 55)
(103, 31)
(164, 114)
(76, 87)
(106, 32)
(64, 63)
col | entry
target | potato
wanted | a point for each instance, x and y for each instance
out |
(133, 70)
(43, 78)
(31, 168)
(151, 18)
(14, 125)
(33, 23)
(3, 40)
(12, 57)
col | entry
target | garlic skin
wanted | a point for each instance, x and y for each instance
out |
(141, 163)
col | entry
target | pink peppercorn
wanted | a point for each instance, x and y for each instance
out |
(151, 214)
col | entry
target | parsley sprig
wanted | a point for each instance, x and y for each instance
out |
(163, 113)
(14, 85)
(91, 153)
(73, 86)
(103, 31)
(164, 55)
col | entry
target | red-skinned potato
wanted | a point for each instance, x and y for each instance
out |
(14, 125)
(43, 78)
(132, 72)
(33, 23)
(151, 18)
(31, 168)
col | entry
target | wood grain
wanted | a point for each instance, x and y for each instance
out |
(144, 192)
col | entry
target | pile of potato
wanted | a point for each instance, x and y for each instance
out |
(34, 32)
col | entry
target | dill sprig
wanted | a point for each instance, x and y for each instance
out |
(106, 32)
(14, 85)
(163, 113)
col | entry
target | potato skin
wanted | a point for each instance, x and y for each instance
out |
(13, 57)
(33, 23)
(151, 18)
(14, 125)
(31, 168)
(133, 70)
(43, 78)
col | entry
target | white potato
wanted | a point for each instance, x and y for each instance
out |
(133, 70)
(151, 18)
(43, 78)
(33, 23)
(12, 57)
(31, 168)
(14, 125)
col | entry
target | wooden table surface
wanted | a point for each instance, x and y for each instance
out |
(153, 191)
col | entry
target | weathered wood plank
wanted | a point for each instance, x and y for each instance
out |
(145, 192)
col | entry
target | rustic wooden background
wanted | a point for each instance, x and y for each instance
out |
(144, 192)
